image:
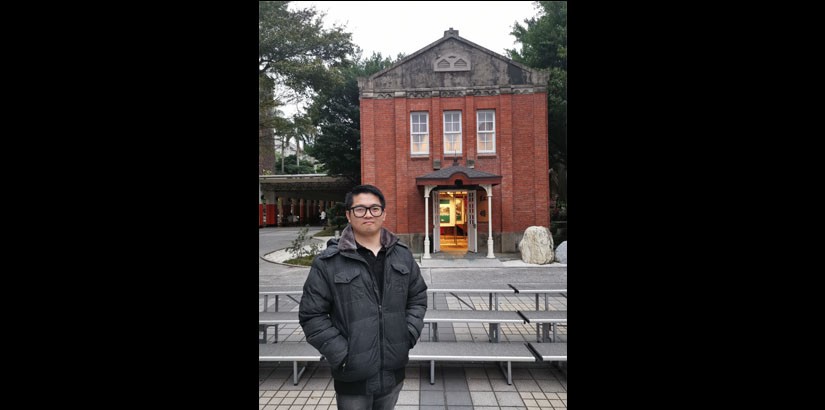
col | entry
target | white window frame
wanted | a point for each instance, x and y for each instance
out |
(453, 132)
(422, 133)
(479, 131)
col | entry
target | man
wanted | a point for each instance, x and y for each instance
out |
(363, 305)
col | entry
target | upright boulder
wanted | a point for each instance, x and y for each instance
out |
(561, 253)
(537, 245)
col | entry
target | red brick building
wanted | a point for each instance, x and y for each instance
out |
(456, 135)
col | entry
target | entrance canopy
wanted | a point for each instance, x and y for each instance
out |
(457, 175)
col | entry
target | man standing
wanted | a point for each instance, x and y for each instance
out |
(323, 217)
(363, 305)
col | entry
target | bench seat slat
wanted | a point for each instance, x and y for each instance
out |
(287, 352)
(277, 318)
(472, 351)
(472, 316)
(550, 352)
(544, 316)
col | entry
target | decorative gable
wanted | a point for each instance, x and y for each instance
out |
(452, 61)
(452, 67)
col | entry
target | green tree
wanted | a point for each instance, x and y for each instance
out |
(297, 57)
(295, 50)
(337, 113)
(544, 45)
(293, 166)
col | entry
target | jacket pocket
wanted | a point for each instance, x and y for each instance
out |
(349, 287)
(400, 278)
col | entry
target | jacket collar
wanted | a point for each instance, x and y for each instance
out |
(347, 241)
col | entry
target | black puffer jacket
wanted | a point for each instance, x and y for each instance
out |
(342, 317)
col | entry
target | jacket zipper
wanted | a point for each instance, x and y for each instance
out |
(379, 296)
(380, 319)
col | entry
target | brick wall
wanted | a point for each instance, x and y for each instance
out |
(522, 199)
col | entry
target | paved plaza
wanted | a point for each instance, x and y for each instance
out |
(458, 385)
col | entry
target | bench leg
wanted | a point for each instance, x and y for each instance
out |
(266, 302)
(554, 332)
(296, 375)
(435, 332)
(432, 371)
(493, 332)
(507, 373)
(538, 327)
(276, 333)
(262, 328)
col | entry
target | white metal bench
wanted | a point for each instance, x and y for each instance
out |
(277, 291)
(472, 352)
(266, 319)
(286, 352)
(545, 318)
(492, 317)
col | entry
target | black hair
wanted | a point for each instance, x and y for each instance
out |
(364, 189)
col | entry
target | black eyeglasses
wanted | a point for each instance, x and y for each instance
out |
(361, 211)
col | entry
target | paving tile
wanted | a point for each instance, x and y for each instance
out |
(475, 373)
(439, 383)
(455, 383)
(317, 383)
(508, 399)
(552, 387)
(457, 398)
(430, 398)
(500, 384)
(542, 374)
(526, 385)
(270, 384)
(479, 385)
(408, 397)
(483, 398)
(413, 384)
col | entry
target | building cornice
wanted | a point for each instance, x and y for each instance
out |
(446, 92)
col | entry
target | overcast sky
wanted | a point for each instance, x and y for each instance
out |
(392, 27)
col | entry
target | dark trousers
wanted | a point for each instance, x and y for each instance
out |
(370, 401)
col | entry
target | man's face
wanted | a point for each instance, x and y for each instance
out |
(367, 224)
